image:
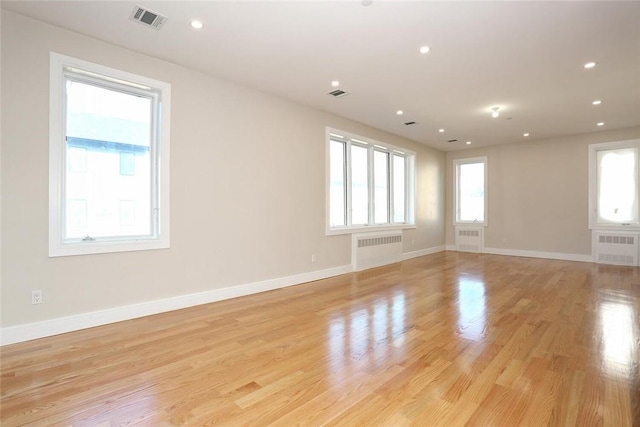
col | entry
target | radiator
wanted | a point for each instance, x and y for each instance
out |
(469, 239)
(619, 248)
(370, 250)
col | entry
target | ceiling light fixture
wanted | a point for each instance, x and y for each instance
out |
(399, 112)
(597, 102)
(441, 130)
(196, 24)
(495, 112)
(589, 65)
(468, 142)
(525, 134)
(601, 124)
(335, 83)
(424, 49)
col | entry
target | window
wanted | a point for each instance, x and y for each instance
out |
(109, 160)
(614, 184)
(470, 191)
(370, 184)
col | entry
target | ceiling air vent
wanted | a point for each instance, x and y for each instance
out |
(338, 93)
(409, 123)
(147, 17)
(453, 140)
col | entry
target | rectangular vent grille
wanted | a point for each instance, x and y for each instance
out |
(376, 249)
(337, 93)
(616, 259)
(377, 241)
(469, 239)
(617, 240)
(147, 17)
(619, 248)
(409, 123)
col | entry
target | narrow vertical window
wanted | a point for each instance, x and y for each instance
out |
(617, 186)
(470, 190)
(337, 184)
(399, 189)
(109, 160)
(359, 185)
(381, 187)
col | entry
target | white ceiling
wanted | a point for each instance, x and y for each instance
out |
(526, 57)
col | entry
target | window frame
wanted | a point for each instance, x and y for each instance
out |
(456, 190)
(110, 78)
(372, 146)
(593, 185)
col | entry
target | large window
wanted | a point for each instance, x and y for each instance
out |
(614, 184)
(370, 184)
(109, 164)
(470, 191)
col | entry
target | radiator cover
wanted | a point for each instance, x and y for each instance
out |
(615, 247)
(370, 250)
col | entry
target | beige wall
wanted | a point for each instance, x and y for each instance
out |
(537, 193)
(247, 187)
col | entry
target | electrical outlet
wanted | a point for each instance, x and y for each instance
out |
(313, 258)
(36, 297)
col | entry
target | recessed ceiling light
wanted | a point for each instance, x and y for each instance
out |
(196, 24)
(440, 130)
(589, 65)
(468, 142)
(424, 49)
(399, 112)
(495, 112)
(525, 134)
(601, 124)
(597, 102)
(335, 83)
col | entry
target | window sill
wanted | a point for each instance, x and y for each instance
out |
(615, 227)
(106, 247)
(368, 228)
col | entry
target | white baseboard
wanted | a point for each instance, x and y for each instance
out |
(422, 252)
(539, 254)
(533, 254)
(30, 331)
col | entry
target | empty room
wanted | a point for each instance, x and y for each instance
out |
(349, 213)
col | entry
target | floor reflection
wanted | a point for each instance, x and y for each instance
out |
(471, 308)
(618, 337)
(367, 335)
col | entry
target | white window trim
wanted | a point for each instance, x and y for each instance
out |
(593, 189)
(57, 162)
(409, 185)
(456, 195)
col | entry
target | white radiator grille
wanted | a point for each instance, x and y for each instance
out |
(377, 241)
(469, 239)
(616, 248)
(376, 249)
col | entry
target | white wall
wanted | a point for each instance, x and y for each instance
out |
(538, 194)
(247, 187)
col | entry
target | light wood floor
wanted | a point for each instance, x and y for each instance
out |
(444, 340)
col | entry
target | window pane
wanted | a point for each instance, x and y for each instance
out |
(471, 192)
(337, 196)
(112, 130)
(381, 187)
(399, 189)
(617, 178)
(359, 185)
